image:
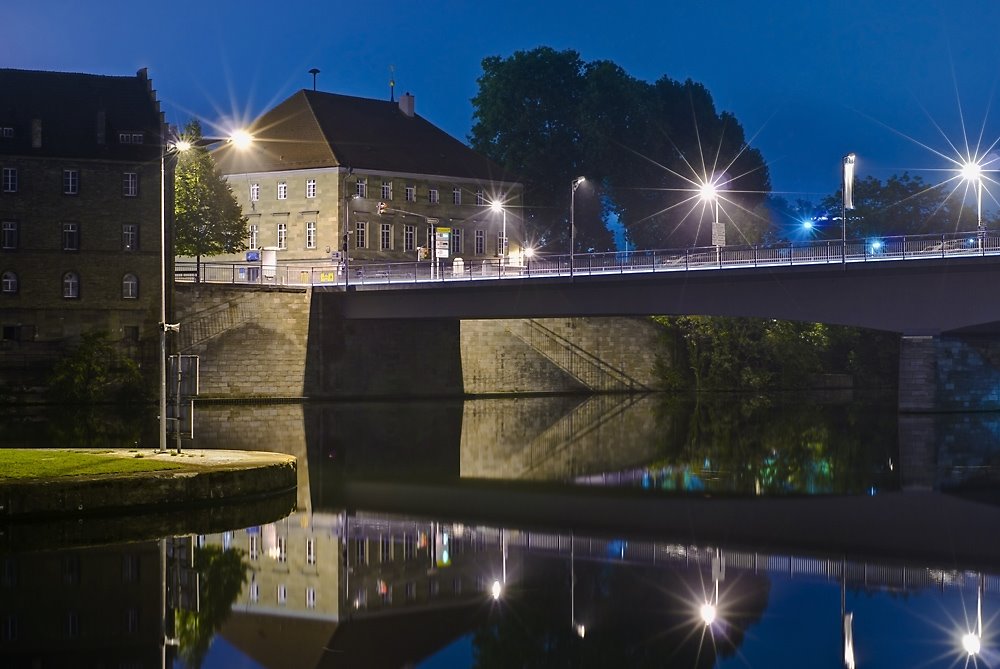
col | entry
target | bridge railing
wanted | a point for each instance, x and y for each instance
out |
(584, 264)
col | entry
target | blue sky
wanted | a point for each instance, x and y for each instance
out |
(810, 81)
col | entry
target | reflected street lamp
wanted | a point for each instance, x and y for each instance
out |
(572, 222)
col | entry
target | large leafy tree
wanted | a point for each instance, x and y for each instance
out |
(207, 219)
(645, 148)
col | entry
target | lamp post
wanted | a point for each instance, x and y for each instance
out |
(241, 140)
(709, 193)
(572, 222)
(496, 206)
(973, 173)
(846, 203)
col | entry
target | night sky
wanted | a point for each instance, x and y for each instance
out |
(809, 81)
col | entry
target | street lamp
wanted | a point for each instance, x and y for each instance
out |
(241, 140)
(572, 222)
(709, 193)
(847, 202)
(973, 173)
(496, 206)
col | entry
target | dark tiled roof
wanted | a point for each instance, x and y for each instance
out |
(312, 129)
(70, 107)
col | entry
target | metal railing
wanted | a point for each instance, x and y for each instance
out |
(901, 248)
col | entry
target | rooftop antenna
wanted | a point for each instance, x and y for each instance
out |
(314, 72)
(392, 83)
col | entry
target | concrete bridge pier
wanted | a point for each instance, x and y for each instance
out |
(947, 373)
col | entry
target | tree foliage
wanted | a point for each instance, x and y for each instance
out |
(207, 219)
(95, 371)
(222, 574)
(645, 148)
(903, 205)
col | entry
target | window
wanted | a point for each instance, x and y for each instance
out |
(6, 132)
(130, 237)
(70, 237)
(480, 198)
(456, 196)
(254, 192)
(361, 552)
(130, 568)
(252, 242)
(8, 283)
(282, 236)
(130, 334)
(385, 237)
(501, 244)
(8, 235)
(409, 233)
(282, 594)
(282, 190)
(411, 591)
(253, 546)
(456, 241)
(255, 591)
(360, 235)
(385, 548)
(130, 184)
(480, 242)
(310, 234)
(310, 598)
(71, 182)
(409, 547)
(71, 285)
(71, 570)
(130, 287)
(310, 551)
(310, 188)
(386, 190)
(130, 138)
(10, 180)
(411, 193)
(432, 196)
(132, 620)
(282, 549)
(361, 188)
(72, 624)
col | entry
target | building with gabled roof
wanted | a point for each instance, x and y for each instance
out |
(80, 210)
(323, 167)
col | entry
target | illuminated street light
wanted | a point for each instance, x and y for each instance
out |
(973, 173)
(496, 590)
(972, 642)
(572, 220)
(708, 612)
(240, 139)
(847, 202)
(497, 207)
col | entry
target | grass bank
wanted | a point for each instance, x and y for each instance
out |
(25, 464)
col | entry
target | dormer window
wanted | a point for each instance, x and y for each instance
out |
(130, 138)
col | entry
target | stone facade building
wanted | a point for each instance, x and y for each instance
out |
(79, 210)
(324, 167)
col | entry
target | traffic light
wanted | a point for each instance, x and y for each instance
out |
(381, 208)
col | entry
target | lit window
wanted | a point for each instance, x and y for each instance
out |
(310, 188)
(310, 234)
(432, 196)
(456, 196)
(8, 235)
(311, 598)
(130, 184)
(411, 193)
(310, 551)
(252, 242)
(386, 190)
(361, 188)
(10, 180)
(71, 182)
(282, 594)
(71, 285)
(254, 192)
(70, 237)
(130, 287)
(282, 190)
(130, 236)
(282, 236)
(253, 546)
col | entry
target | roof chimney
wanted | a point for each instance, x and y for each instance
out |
(406, 103)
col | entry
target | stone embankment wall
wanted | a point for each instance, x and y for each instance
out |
(949, 373)
(292, 343)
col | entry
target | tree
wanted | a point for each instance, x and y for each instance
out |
(207, 218)
(644, 148)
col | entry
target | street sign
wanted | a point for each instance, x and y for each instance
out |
(442, 242)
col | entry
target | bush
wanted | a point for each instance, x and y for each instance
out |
(95, 372)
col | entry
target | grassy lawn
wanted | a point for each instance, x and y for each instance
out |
(52, 463)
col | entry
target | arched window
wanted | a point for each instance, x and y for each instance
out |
(71, 285)
(8, 283)
(130, 287)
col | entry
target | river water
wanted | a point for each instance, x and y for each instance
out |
(568, 531)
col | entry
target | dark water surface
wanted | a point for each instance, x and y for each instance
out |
(533, 532)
